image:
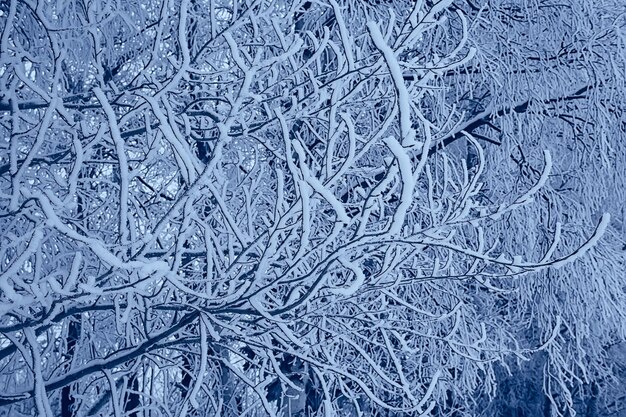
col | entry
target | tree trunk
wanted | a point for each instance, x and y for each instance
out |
(131, 400)
(73, 335)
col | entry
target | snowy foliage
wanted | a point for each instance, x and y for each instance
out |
(344, 207)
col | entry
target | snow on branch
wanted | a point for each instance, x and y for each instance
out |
(258, 208)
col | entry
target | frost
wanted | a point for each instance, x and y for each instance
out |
(353, 287)
(407, 132)
(318, 208)
(406, 178)
(590, 243)
(318, 187)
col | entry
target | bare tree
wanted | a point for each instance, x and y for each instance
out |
(274, 208)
